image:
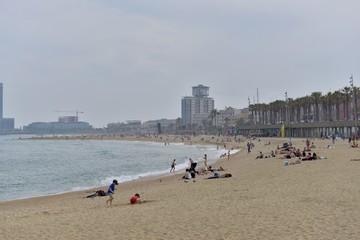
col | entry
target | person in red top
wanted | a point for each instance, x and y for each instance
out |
(135, 199)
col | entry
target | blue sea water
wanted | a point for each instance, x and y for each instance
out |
(30, 168)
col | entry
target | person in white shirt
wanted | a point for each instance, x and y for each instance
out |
(187, 174)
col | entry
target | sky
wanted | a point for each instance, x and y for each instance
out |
(114, 61)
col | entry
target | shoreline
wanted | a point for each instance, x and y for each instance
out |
(175, 140)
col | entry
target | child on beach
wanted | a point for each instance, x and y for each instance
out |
(135, 199)
(111, 191)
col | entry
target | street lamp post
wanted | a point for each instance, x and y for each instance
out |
(288, 119)
(354, 104)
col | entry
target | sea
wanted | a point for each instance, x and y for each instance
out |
(31, 168)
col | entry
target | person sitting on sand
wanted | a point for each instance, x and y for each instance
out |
(308, 157)
(187, 174)
(216, 169)
(272, 154)
(221, 169)
(303, 153)
(355, 144)
(261, 155)
(135, 199)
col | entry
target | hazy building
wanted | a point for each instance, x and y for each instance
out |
(5, 123)
(65, 124)
(68, 119)
(196, 108)
(131, 127)
(1, 101)
(57, 127)
(159, 126)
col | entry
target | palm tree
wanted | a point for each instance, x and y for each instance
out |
(327, 102)
(337, 98)
(316, 99)
(213, 115)
(346, 100)
(272, 112)
(178, 124)
(205, 123)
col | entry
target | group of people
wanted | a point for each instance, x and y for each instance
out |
(289, 152)
(191, 172)
(193, 164)
(110, 193)
(261, 155)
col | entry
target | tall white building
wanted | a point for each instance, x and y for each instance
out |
(196, 108)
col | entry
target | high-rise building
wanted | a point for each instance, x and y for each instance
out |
(5, 123)
(196, 108)
(1, 100)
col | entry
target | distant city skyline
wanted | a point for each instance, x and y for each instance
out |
(120, 60)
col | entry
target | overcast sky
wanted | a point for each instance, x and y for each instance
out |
(135, 59)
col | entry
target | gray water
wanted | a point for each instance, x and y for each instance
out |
(30, 168)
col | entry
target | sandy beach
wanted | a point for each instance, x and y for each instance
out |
(262, 200)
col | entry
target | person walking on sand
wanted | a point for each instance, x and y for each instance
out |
(228, 155)
(111, 191)
(249, 147)
(173, 166)
(193, 165)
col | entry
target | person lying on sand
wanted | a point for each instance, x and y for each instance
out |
(210, 169)
(99, 193)
(216, 175)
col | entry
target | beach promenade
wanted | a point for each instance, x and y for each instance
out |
(262, 200)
